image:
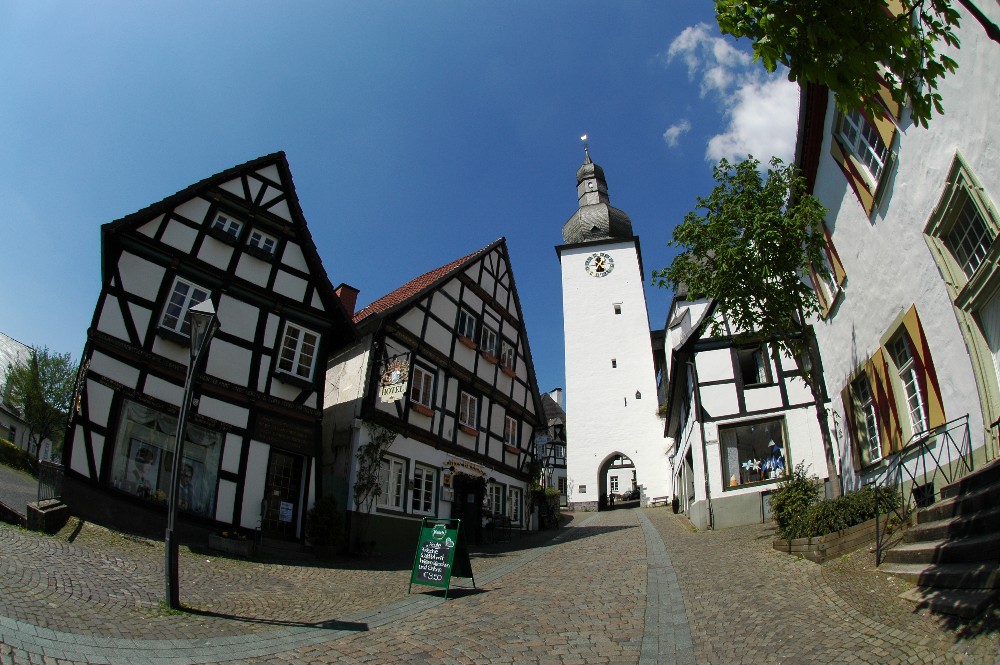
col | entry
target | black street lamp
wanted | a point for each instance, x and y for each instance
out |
(203, 323)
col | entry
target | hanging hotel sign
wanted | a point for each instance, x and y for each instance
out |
(392, 382)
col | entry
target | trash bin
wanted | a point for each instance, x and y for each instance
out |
(676, 505)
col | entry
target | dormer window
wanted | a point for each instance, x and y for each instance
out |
(226, 224)
(262, 241)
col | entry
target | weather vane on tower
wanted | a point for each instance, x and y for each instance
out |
(586, 150)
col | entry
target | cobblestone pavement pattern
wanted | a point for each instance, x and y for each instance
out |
(626, 586)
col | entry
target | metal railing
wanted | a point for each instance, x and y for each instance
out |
(50, 480)
(929, 460)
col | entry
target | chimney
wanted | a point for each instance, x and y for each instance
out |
(557, 395)
(348, 297)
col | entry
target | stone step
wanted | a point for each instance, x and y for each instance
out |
(982, 522)
(967, 503)
(970, 549)
(978, 479)
(948, 575)
(966, 603)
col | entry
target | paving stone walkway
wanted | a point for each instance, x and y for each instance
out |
(626, 586)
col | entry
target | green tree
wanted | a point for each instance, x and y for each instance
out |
(748, 252)
(850, 45)
(41, 389)
(368, 482)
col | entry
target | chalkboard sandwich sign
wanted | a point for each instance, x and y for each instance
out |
(440, 555)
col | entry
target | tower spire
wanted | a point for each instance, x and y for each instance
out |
(586, 150)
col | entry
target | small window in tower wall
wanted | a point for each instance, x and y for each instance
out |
(614, 363)
(618, 308)
(583, 489)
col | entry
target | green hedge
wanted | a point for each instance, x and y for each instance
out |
(14, 457)
(799, 512)
(841, 513)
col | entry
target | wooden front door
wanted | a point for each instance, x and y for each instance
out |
(282, 495)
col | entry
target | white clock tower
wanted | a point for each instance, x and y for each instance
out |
(614, 437)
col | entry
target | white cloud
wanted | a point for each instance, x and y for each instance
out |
(763, 117)
(760, 110)
(674, 131)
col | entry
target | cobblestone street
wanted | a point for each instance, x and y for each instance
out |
(626, 586)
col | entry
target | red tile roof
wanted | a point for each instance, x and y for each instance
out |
(419, 285)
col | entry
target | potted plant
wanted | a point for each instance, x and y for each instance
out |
(231, 542)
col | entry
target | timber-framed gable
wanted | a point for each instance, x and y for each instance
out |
(240, 240)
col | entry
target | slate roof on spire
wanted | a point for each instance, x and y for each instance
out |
(596, 218)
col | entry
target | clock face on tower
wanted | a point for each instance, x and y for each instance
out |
(599, 264)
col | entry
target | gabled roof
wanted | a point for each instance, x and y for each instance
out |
(334, 308)
(418, 286)
(554, 414)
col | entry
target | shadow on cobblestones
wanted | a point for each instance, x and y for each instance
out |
(331, 624)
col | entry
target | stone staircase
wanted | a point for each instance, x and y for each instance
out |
(952, 554)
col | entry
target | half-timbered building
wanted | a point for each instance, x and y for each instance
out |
(739, 414)
(444, 362)
(250, 453)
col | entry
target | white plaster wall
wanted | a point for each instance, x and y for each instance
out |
(281, 210)
(139, 276)
(98, 402)
(179, 236)
(714, 365)
(798, 392)
(293, 258)
(111, 321)
(438, 336)
(875, 295)
(253, 484)
(229, 362)
(253, 269)
(150, 227)
(163, 390)
(758, 399)
(345, 379)
(79, 461)
(290, 285)
(225, 501)
(270, 172)
(223, 411)
(234, 187)
(193, 209)
(720, 399)
(215, 252)
(412, 320)
(140, 317)
(232, 448)
(602, 413)
(114, 369)
(238, 317)
(171, 351)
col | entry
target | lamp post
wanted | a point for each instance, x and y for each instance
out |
(203, 323)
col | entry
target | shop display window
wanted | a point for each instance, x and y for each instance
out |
(753, 452)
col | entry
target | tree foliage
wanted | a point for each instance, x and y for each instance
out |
(851, 45)
(747, 247)
(41, 389)
(368, 483)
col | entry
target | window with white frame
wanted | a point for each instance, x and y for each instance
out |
(514, 504)
(262, 241)
(391, 476)
(183, 297)
(467, 323)
(488, 340)
(614, 484)
(507, 355)
(424, 479)
(298, 351)
(467, 409)
(866, 425)
(510, 431)
(863, 140)
(494, 498)
(902, 357)
(422, 387)
(227, 225)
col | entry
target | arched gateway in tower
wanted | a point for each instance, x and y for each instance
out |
(610, 375)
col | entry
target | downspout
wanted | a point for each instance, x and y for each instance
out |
(704, 446)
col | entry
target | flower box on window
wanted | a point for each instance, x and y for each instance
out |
(489, 357)
(467, 342)
(508, 371)
(420, 408)
(471, 431)
(513, 450)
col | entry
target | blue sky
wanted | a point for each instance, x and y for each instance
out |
(416, 132)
